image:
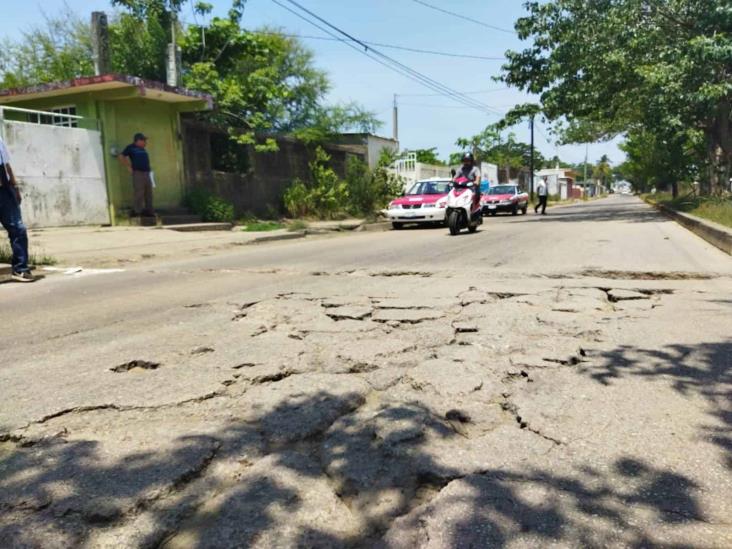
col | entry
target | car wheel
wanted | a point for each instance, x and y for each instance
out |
(397, 226)
(514, 210)
(453, 221)
(494, 213)
(523, 210)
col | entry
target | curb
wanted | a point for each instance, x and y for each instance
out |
(277, 237)
(199, 227)
(714, 233)
(376, 227)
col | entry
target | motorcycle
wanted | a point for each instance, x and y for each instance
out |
(463, 211)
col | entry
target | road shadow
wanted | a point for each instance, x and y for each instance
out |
(315, 472)
(624, 212)
(702, 370)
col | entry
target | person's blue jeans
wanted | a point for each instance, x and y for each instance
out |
(12, 221)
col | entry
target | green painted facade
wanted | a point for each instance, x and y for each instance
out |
(119, 114)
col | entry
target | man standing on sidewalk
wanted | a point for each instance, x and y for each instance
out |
(11, 219)
(542, 191)
(137, 162)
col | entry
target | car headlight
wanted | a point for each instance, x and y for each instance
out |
(442, 204)
(395, 206)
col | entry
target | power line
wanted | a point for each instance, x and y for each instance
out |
(391, 46)
(478, 92)
(464, 17)
(382, 58)
(385, 59)
(423, 105)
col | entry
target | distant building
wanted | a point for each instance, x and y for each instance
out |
(411, 171)
(368, 145)
(560, 181)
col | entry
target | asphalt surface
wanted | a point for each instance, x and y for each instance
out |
(550, 380)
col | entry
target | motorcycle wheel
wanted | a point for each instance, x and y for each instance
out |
(453, 222)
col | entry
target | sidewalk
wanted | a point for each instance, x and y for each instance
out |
(120, 246)
(114, 247)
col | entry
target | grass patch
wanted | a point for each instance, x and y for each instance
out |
(262, 226)
(6, 256)
(297, 225)
(713, 208)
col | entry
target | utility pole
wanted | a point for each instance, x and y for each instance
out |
(531, 162)
(584, 177)
(100, 42)
(395, 119)
(174, 54)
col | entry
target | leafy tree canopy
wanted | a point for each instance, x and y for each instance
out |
(605, 67)
(262, 81)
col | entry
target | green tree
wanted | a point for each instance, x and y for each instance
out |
(262, 82)
(652, 161)
(603, 68)
(59, 48)
(603, 172)
(506, 152)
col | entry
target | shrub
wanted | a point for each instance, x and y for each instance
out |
(324, 197)
(370, 190)
(297, 225)
(209, 206)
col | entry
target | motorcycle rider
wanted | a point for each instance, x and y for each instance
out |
(470, 172)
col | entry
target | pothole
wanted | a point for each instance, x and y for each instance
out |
(135, 365)
(244, 310)
(202, 350)
(272, 378)
(422, 274)
(645, 275)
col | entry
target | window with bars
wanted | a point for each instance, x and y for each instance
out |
(63, 121)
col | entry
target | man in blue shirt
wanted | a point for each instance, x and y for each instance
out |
(11, 219)
(137, 162)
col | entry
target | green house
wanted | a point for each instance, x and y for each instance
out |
(117, 107)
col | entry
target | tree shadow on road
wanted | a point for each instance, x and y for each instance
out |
(615, 213)
(341, 477)
(704, 370)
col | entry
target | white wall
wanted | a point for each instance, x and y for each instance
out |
(375, 145)
(60, 172)
(489, 171)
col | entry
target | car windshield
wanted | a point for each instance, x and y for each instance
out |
(502, 189)
(430, 187)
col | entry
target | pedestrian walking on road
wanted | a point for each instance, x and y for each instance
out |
(12, 220)
(542, 191)
(137, 161)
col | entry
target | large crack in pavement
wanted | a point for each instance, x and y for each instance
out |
(344, 415)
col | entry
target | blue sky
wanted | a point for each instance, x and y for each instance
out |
(425, 121)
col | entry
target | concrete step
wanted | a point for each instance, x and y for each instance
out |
(179, 219)
(198, 227)
(165, 219)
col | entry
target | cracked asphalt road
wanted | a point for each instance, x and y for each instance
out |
(558, 381)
